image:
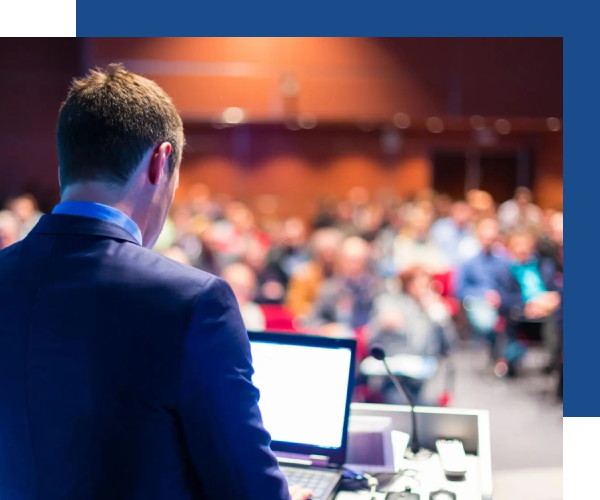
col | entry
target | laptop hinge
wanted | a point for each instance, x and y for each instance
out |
(302, 460)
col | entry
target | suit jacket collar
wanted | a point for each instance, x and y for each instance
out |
(71, 224)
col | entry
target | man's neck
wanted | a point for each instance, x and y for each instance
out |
(105, 194)
(98, 193)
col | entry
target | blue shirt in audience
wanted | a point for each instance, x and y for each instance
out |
(93, 210)
(480, 274)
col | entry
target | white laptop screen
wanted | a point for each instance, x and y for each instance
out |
(303, 392)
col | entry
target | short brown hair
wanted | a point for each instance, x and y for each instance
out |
(110, 119)
(410, 274)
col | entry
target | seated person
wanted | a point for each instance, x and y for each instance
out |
(347, 297)
(243, 283)
(477, 284)
(413, 246)
(454, 235)
(306, 281)
(528, 294)
(414, 321)
(271, 281)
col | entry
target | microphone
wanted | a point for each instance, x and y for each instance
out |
(379, 354)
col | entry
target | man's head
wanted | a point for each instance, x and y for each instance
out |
(461, 213)
(522, 245)
(523, 196)
(120, 141)
(294, 231)
(419, 222)
(487, 233)
(325, 245)
(24, 206)
(556, 230)
(354, 257)
(9, 228)
(242, 281)
(415, 281)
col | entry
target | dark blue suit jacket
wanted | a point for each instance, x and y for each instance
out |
(123, 375)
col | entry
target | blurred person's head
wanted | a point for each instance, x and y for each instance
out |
(294, 232)
(325, 246)
(120, 141)
(461, 213)
(442, 205)
(240, 216)
(481, 203)
(418, 222)
(344, 211)
(522, 245)
(242, 281)
(556, 231)
(426, 195)
(178, 255)
(488, 233)
(523, 197)
(256, 255)
(354, 257)
(415, 281)
(24, 206)
(9, 228)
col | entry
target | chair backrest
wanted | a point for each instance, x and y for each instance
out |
(278, 318)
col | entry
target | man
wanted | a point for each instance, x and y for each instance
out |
(528, 295)
(453, 235)
(305, 284)
(123, 375)
(347, 297)
(477, 284)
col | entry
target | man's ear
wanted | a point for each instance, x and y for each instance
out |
(159, 162)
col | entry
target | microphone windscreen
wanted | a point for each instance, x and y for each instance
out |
(377, 352)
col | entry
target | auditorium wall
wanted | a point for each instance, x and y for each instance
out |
(349, 81)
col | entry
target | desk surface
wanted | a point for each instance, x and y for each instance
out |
(427, 477)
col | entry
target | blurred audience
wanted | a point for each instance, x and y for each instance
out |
(370, 263)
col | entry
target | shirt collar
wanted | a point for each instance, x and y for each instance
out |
(93, 210)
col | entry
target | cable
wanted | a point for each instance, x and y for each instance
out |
(372, 481)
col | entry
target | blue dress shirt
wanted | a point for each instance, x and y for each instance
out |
(93, 210)
(480, 274)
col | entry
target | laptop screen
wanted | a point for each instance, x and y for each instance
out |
(304, 390)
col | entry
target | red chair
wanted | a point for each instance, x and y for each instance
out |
(278, 318)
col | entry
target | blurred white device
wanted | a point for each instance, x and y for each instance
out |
(452, 457)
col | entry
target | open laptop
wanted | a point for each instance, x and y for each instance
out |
(306, 385)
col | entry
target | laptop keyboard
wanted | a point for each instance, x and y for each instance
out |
(319, 482)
